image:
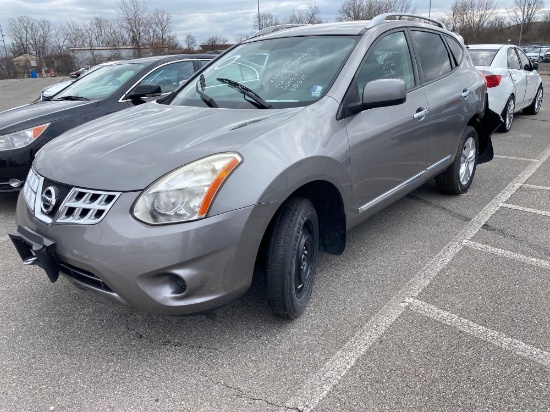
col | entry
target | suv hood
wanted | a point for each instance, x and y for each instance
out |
(34, 114)
(129, 150)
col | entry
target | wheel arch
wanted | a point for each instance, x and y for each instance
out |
(331, 215)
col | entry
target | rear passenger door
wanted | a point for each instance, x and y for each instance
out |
(448, 95)
(532, 78)
(518, 76)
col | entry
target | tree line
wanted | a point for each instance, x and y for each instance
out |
(151, 32)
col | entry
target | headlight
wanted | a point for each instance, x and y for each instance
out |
(186, 193)
(30, 189)
(21, 138)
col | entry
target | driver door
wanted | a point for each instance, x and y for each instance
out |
(389, 145)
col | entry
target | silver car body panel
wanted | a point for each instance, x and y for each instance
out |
(371, 159)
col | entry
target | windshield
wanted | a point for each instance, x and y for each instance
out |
(482, 57)
(100, 83)
(276, 73)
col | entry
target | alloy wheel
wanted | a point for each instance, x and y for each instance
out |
(467, 160)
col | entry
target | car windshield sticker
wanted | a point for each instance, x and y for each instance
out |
(316, 91)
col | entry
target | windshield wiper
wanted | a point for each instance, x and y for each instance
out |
(72, 98)
(260, 103)
(205, 98)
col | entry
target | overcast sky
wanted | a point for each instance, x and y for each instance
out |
(202, 18)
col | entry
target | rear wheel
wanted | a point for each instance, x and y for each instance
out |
(536, 104)
(459, 176)
(508, 115)
(292, 258)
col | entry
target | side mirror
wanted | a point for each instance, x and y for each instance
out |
(144, 90)
(381, 93)
(535, 66)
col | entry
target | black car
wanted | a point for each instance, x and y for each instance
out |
(24, 130)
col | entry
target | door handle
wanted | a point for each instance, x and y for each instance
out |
(420, 113)
(465, 93)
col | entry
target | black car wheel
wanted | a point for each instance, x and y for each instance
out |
(458, 177)
(292, 258)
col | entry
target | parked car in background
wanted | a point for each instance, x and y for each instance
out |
(513, 83)
(546, 58)
(50, 91)
(78, 72)
(169, 206)
(536, 53)
(24, 130)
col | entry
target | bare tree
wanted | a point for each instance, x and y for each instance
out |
(308, 15)
(523, 13)
(160, 32)
(190, 42)
(136, 21)
(367, 9)
(266, 20)
(470, 18)
(19, 31)
(214, 42)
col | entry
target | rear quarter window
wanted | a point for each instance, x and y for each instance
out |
(456, 49)
(482, 57)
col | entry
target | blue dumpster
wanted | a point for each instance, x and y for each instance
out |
(33, 74)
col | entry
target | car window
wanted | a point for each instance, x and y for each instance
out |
(389, 59)
(432, 53)
(482, 57)
(525, 62)
(284, 72)
(456, 49)
(101, 83)
(170, 76)
(513, 60)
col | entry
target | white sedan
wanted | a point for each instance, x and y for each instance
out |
(513, 83)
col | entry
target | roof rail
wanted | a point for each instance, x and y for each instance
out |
(273, 29)
(381, 18)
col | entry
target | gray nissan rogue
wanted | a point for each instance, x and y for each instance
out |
(265, 158)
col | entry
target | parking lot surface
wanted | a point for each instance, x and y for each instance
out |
(438, 303)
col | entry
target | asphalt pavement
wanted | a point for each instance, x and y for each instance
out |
(439, 303)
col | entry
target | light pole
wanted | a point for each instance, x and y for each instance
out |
(429, 9)
(259, 25)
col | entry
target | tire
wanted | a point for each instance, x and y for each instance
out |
(508, 115)
(458, 177)
(536, 104)
(292, 258)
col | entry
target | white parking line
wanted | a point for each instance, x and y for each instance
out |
(3, 238)
(506, 253)
(514, 158)
(488, 335)
(537, 187)
(526, 209)
(317, 386)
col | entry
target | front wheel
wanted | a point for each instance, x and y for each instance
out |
(458, 177)
(536, 104)
(292, 258)
(508, 115)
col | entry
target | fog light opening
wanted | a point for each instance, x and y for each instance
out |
(181, 285)
(15, 182)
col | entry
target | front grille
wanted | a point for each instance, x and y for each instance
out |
(63, 191)
(83, 276)
(74, 205)
(86, 207)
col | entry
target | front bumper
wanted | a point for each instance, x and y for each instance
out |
(143, 266)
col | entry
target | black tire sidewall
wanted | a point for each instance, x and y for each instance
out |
(280, 265)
